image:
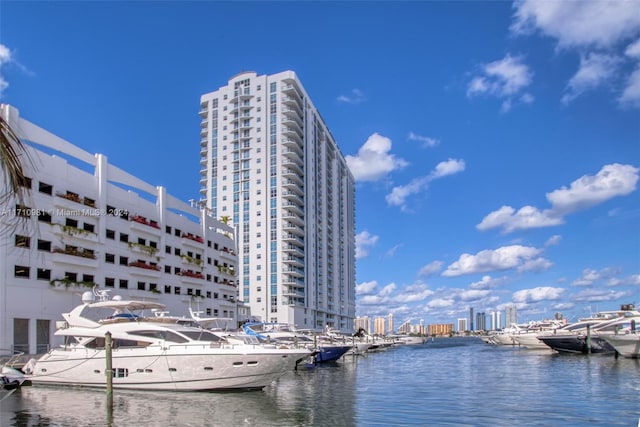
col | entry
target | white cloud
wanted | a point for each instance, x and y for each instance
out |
(633, 50)
(413, 293)
(426, 141)
(473, 294)
(595, 69)
(365, 288)
(611, 181)
(598, 295)
(374, 160)
(399, 194)
(485, 283)
(553, 240)
(601, 27)
(504, 258)
(505, 78)
(510, 220)
(387, 290)
(631, 94)
(578, 23)
(5, 58)
(391, 252)
(364, 241)
(431, 268)
(590, 276)
(440, 303)
(541, 293)
(356, 97)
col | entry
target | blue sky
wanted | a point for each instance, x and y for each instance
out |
(496, 145)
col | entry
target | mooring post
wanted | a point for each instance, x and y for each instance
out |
(109, 374)
(588, 339)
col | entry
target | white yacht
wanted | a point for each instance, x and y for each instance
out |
(627, 345)
(153, 353)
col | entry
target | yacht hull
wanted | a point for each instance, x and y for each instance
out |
(627, 345)
(177, 368)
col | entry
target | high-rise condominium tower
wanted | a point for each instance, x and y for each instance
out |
(271, 168)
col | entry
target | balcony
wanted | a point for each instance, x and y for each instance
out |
(293, 260)
(188, 238)
(74, 255)
(294, 208)
(144, 225)
(77, 233)
(190, 276)
(145, 269)
(292, 144)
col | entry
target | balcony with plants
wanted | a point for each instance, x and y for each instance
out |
(70, 254)
(193, 237)
(148, 224)
(144, 268)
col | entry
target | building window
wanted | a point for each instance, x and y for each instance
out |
(43, 274)
(87, 278)
(124, 284)
(23, 241)
(124, 237)
(142, 286)
(44, 245)
(44, 217)
(167, 269)
(88, 227)
(124, 260)
(167, 289)
(72, 277)
(21, 271)
(176, 290)
(45, 188)
(109, 282)
(111, 234)
(110, 258)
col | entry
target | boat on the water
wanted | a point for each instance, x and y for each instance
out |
(325, 349)
(156, 352)
(588, 335)
(627, 345)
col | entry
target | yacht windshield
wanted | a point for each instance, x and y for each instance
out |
(201, 335)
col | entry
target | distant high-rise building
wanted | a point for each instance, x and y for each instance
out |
(510, 315)
(390, 330)
(271, 169)
(496, 320)
(471, 319)
(462, 324)
(364, 323)
(379, 326)
(481, 321)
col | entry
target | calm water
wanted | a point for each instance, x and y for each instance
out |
(449, 382)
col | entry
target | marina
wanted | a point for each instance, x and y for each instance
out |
(445, 382)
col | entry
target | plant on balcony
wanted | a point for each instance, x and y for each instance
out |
(191, 273)
(192, 260)
(144, 265)
(193, 237)
(68, 282)
(72, 231)
(75, 251)
(70, 196)
(149, 250)
(155, 291)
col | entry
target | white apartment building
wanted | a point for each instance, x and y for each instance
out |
(86, 223)
(271, 166)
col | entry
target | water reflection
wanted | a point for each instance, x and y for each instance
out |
(323, 395)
